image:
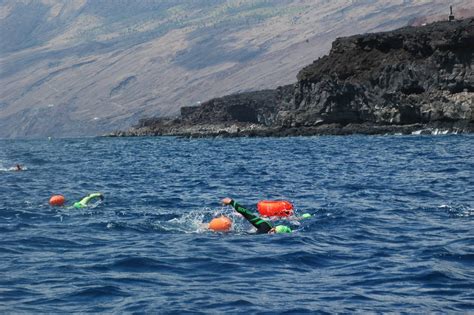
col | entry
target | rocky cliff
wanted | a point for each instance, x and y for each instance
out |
(402, 81)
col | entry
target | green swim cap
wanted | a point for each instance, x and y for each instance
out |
(282, 229)
(78, 205)
(306, 216)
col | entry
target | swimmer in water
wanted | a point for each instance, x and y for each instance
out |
(261, 225)
(85, 201)
(18, 168)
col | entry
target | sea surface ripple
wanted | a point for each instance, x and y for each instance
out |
(392, 229)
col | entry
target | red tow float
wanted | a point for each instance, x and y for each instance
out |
(275, 208)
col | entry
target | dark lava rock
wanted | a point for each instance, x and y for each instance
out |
(414, 79)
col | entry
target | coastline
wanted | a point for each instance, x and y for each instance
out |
(255, 130)
(405, 81)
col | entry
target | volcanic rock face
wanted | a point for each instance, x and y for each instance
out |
(399, 81)
(396, 77)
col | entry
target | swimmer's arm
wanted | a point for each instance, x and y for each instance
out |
(235, 205)
(238, 207)
(259, 223)
(89, 197)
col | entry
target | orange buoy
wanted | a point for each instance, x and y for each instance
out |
(275, 208)
(220, 224)
(57, 200)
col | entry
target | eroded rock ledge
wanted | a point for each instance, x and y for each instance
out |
(411, 80)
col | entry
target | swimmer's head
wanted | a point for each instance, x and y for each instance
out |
(280, 229)
(78, 205)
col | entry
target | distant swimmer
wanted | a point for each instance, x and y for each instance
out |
(262, 225)
(84, 202)
(18, 168)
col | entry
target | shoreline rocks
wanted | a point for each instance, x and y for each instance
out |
(410, 80)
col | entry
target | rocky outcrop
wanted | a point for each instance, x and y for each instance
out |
(401, 81)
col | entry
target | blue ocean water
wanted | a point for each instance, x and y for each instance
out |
(392, 225)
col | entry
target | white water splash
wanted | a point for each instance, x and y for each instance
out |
(460, 211)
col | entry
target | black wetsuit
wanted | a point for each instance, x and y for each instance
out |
(261, 225)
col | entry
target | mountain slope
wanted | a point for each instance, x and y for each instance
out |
(84, 67)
